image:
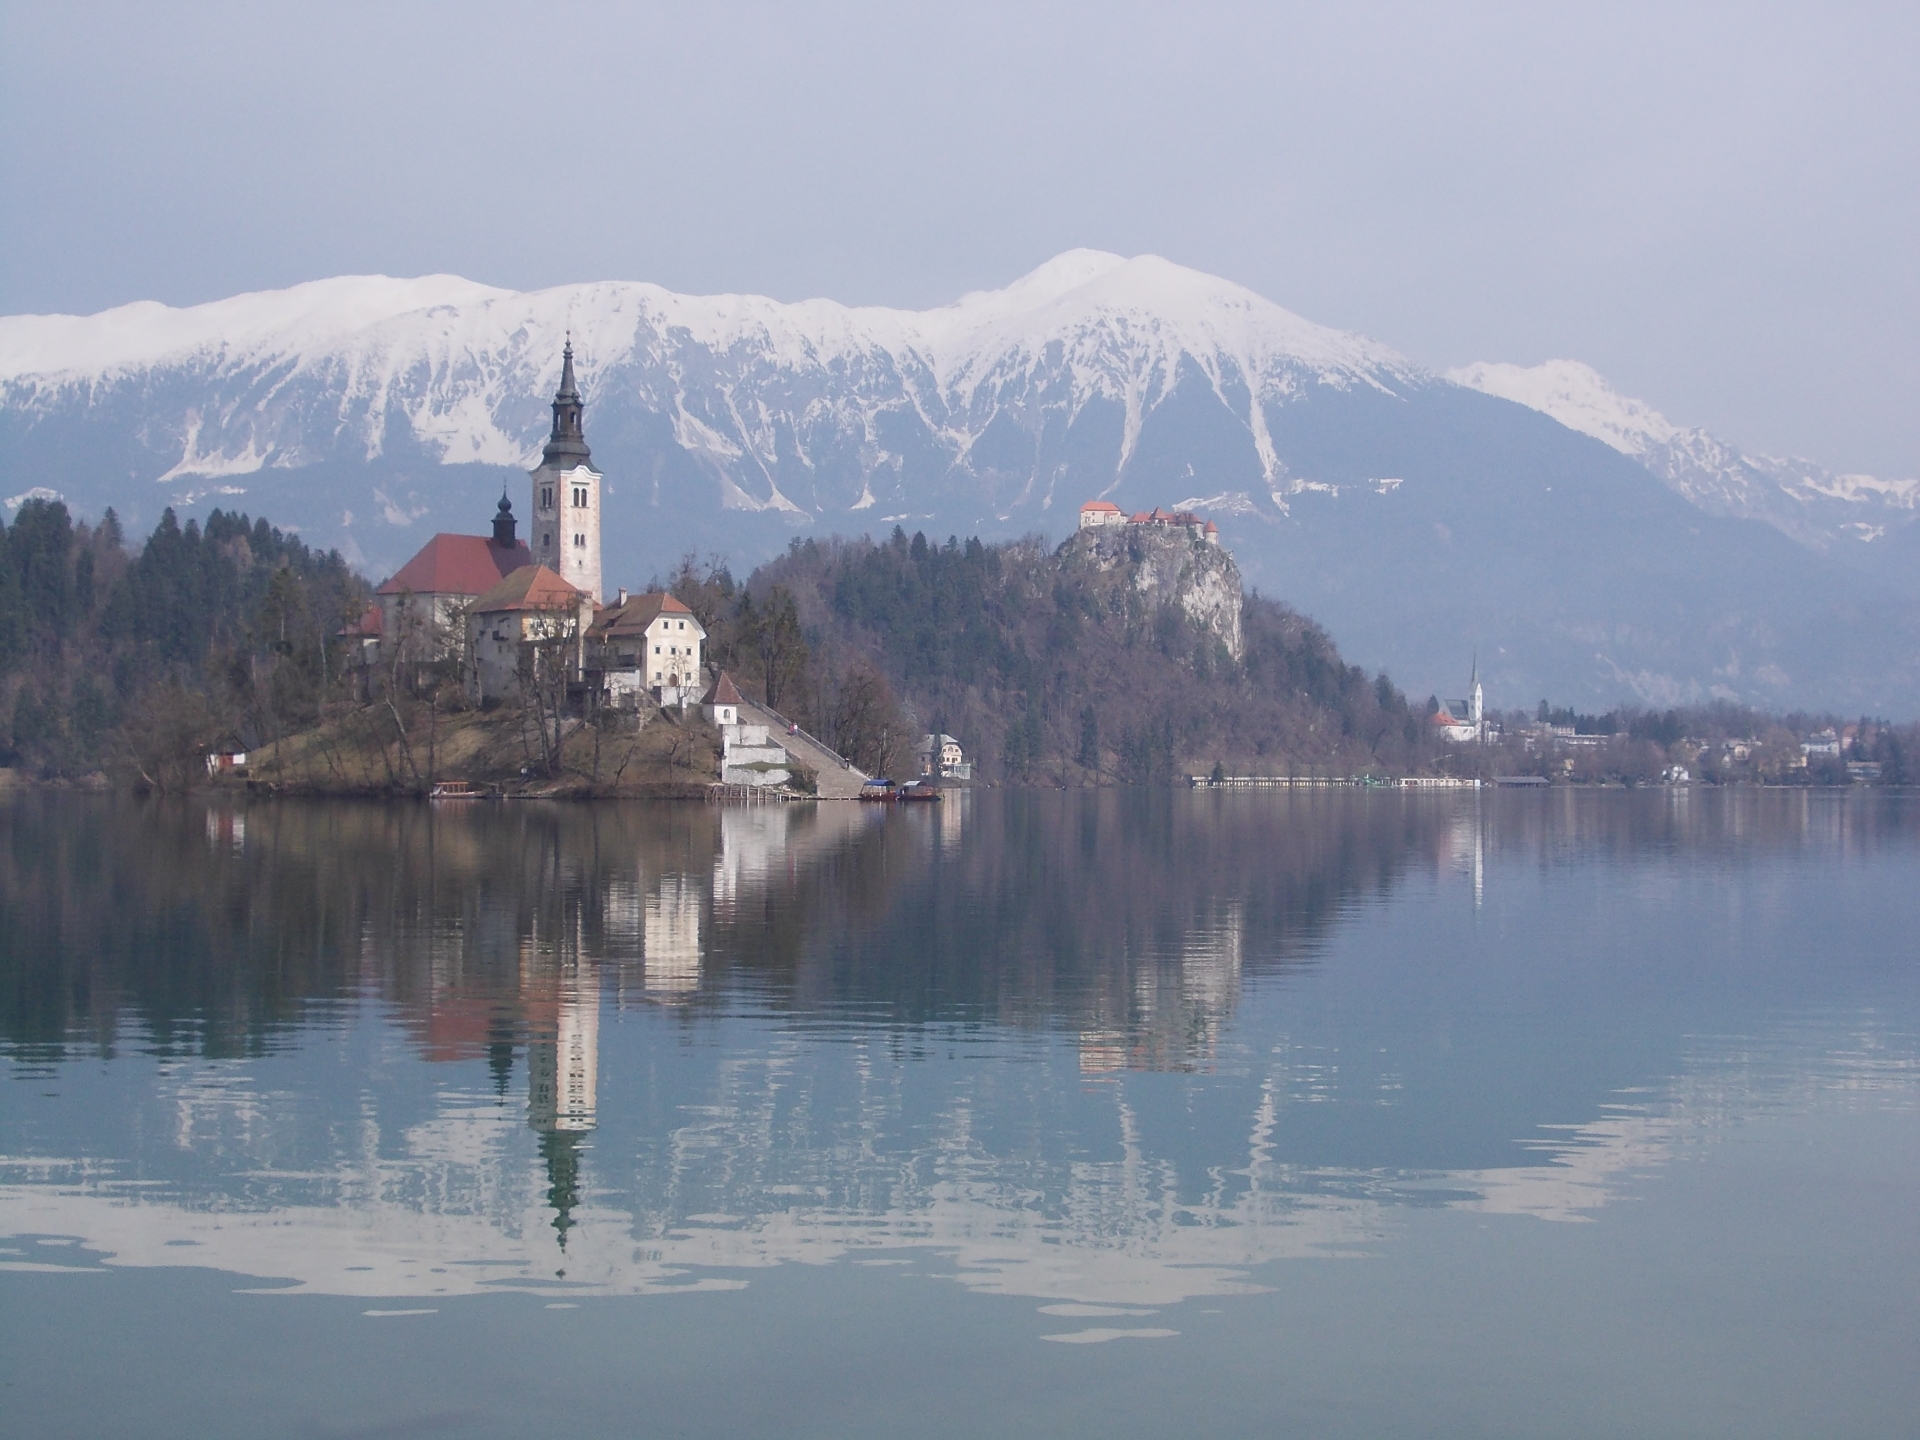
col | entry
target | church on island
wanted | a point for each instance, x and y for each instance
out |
(503, 609)
(1463, 721)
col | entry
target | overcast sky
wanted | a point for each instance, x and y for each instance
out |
(1716, 206)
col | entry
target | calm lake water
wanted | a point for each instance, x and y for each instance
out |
(1107, 1114)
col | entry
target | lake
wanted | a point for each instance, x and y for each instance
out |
(1052, 1114)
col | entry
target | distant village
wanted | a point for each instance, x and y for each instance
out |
(1560, 744)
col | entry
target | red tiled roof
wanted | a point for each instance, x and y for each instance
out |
(724, 692)
(531, 587)
(458, 565)
(1105, 507)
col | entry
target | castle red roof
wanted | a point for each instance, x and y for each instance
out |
(724, 692)
(1104, 507)
(458, 565)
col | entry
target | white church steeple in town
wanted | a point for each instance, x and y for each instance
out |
(566, 493)
(1476, 701)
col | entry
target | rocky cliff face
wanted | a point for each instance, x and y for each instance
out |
(1168, 567)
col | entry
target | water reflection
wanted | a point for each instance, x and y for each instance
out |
(1086, 1048)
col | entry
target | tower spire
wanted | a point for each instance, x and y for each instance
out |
(567, 445)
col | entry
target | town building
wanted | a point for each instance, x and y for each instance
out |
(1822, 743)
(566, 493)
(1098, 513)
(941, 756)
(529, 625)
(647, 645)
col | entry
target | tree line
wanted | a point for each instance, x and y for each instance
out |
(1047, 669)
(209, 637)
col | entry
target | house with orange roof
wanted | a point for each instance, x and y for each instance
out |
(1098, 513)
(530, 624)
(650, 645)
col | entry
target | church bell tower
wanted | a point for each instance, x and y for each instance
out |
(566, 493)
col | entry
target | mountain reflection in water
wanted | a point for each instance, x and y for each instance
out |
(414, 1050)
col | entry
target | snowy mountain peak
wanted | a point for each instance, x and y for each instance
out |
(1795, 496)
(301, 318)
(1576, 395)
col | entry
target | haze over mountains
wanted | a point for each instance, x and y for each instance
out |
(1590, 549)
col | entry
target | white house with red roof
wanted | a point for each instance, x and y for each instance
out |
(648, 644)
(1098, 513)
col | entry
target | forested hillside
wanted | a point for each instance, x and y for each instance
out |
(1048, 667)
(138, 663)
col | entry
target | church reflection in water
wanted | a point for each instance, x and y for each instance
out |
(752, 1036)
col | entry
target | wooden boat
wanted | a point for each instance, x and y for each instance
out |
(877, 789)
(456, 790)
(917, 790)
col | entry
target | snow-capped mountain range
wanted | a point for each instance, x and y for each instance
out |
(1416, 515)
(1811, 504)
(760, 393)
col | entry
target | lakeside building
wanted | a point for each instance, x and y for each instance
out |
(941, 756)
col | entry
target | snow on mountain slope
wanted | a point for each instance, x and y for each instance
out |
(1405, 512)
(1577, 396)
(467, 367)
(267, 325)
(1796, 496)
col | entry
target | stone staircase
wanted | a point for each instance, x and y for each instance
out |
(838, 779)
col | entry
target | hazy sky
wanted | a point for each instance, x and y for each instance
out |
(1716, 206)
